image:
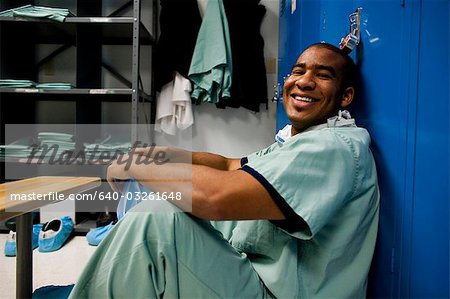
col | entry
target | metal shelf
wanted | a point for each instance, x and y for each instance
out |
(115, 30)
(68, 91)
(108, 20)
(128, 20)
(76, 91)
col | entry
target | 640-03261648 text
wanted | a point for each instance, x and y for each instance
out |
(109, 196)
(170, 196)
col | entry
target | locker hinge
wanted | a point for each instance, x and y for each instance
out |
(276, 92)
(392, 259)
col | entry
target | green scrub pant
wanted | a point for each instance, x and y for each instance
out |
(167, 255)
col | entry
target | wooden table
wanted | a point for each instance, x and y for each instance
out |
(46, 188)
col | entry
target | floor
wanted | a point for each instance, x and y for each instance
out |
(60, 267)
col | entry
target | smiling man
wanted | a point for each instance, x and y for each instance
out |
(306, 208)
(322, 81)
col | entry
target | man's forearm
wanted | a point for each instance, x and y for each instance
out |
(207, 193)
(214, 161)
(177, 155)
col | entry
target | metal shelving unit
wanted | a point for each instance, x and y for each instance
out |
(112, 30)
(87, 32)
(75, 91)
(115, 30)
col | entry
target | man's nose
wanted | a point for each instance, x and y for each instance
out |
(305, 82)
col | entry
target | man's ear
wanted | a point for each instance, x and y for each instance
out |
(347, 96)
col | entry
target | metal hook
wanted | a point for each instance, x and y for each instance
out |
(353, 38)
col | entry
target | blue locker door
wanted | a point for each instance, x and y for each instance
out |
(283, 57)
(428, 253)
(403, 102)
(388, 39)
(293, 39)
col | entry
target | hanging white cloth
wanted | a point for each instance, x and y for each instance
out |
(174, 107)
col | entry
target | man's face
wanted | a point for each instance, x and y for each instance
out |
(312, 94)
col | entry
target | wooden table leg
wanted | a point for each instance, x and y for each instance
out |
(24, 258)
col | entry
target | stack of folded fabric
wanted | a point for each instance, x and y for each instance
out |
(14, 151)
(31, 11)
(11, 83)
(18, 149)
(108, 147)
(51, 141)
(49, 236)
(56, 86)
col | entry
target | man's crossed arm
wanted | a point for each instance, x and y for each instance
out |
(211, 186)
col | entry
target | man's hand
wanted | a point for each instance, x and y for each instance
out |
(116, 174)
(168, 154)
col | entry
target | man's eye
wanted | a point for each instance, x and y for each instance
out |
(324, 75)
(298, 72)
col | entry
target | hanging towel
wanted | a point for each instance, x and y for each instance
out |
(211, 64)
(174, 108)
(180, 22)
(249, 85)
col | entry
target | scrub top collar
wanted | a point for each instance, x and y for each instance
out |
(343, 119)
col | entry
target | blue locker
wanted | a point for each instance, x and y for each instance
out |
(295, 40)
(404, 103)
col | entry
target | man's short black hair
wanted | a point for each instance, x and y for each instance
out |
(350, 71)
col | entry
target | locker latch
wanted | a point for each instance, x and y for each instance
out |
(352, 39)
(278, 89)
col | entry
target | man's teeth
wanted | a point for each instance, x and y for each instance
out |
(304, 99)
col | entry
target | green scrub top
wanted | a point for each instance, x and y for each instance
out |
(211, 64)
(325, 182)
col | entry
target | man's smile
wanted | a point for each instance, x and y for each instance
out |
(303, 100)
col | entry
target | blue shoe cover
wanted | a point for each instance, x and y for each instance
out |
(96, 235)
(36, 230)
(55, 233)
(10, 244)
(126, 202)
